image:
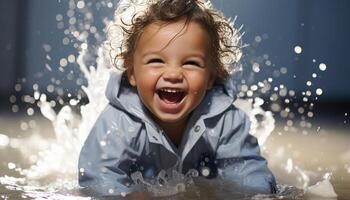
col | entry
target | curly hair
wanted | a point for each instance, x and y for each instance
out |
(132, 16)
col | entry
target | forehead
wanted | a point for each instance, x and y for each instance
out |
(160, 35)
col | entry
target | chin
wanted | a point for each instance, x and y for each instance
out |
(171, 119)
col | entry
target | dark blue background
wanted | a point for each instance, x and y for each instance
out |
(320, 27)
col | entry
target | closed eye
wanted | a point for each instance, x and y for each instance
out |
(191, 62)
(155, 60)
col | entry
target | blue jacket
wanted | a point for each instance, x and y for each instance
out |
(125, 139)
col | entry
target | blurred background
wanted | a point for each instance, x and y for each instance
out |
(320, 27)
(300, 45)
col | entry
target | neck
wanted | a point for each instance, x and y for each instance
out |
(174, 130)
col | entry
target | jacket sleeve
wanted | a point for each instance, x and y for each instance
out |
(106, 159)
(238, 157)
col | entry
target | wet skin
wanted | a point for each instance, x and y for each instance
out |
(170, 69)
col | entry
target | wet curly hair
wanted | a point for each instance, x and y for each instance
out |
(225, 43)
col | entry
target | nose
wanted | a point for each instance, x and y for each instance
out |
(173, 74)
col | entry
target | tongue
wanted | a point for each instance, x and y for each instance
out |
(170, 97)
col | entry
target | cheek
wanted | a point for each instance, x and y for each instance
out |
(146, 81)
(199, 82)
(146, 75)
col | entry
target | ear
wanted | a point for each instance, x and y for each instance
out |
(130, 74)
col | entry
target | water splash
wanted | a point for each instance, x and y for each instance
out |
(263, 122)
(166, 184)
(322, 189)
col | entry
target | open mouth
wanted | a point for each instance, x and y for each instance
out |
(171, 95)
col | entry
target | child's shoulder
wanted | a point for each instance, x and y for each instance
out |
(114, 119)
(111, 111)
(234, 119)
(235, 114)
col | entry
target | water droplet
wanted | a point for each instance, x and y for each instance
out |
(256, 67)
(273, 97)
(319, 91)
(80, 4)
(261, 84)
(72, 20)
(12, 99)
(291, 93)
(284, 70)
(275, 107)
(310, 114)
(4, 140)
(297, 49)
(11, 165)
(18, 87)
(205, 171)
(73, 102)
(36, 95)
(258, 39)
(59, 17)
(71, 58)
(65, 41)
(322, 67)
(109, 4)
(289, 166)
(244, 88)
(63, 62)
(301, 110)
(180, 187)
(110, 191)
(103, 143)
(30, 111)
(60, 25)
(24, 126)
(47, 47)
(84, 46)
(50, 88)
(250, 93)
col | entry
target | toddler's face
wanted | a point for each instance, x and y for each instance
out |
(170, 69)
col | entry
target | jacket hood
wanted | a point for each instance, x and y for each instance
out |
(125, 97)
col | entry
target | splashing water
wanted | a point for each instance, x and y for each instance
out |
(166, 184)
(322, 189)
(71, 129)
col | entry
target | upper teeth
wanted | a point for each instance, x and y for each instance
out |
(170, 90)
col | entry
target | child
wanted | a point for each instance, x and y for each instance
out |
(172, 106)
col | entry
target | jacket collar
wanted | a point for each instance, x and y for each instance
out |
(123, 96)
